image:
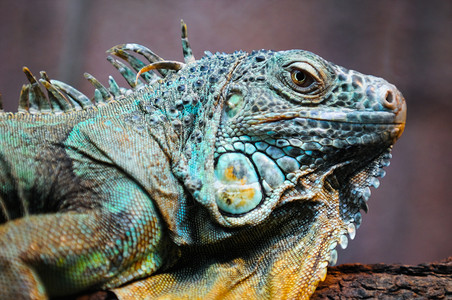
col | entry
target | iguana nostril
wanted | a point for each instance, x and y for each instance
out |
(389, 97)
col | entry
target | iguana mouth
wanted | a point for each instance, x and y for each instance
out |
(365, 117)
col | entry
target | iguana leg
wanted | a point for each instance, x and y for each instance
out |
(63, 253)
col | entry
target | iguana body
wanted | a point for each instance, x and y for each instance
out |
(233, 176)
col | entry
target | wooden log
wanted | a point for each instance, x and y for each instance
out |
(383, 281)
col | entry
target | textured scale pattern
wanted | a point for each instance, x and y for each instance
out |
(232, 176)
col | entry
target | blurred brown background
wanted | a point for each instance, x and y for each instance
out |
(409, 43)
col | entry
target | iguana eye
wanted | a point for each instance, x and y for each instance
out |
(301, 78)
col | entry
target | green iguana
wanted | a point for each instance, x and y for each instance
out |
(233, 176)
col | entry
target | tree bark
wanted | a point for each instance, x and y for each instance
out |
(382, 281)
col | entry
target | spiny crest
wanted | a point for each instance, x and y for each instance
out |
(62, 97)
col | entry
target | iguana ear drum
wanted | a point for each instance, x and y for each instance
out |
(236, 183)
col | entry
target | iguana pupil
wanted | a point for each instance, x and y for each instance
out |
(300, 78)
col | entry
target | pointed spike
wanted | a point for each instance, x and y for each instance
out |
(114, 87)
(98, 99)
(333, 245)
(166, 64)
(59, 101)
(55, 103)
(188, 53)
(136, 64)
(1, 103)
(373, 181)
(364, 206)
(385, 163)
(128, 75)
(333, 257)
(366, 193)
(380, 173)
(351, 229)
(23, 99)
(44, 76)
(343, 241)
(142, 50)
(33, 100)
(29, 75)
(37, 100)
(103, 90)
(78, 98)
(358, 219)
(323, 271)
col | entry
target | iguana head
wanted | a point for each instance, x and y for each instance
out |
(289, 116)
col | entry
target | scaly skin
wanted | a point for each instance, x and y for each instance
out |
(234, 176)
